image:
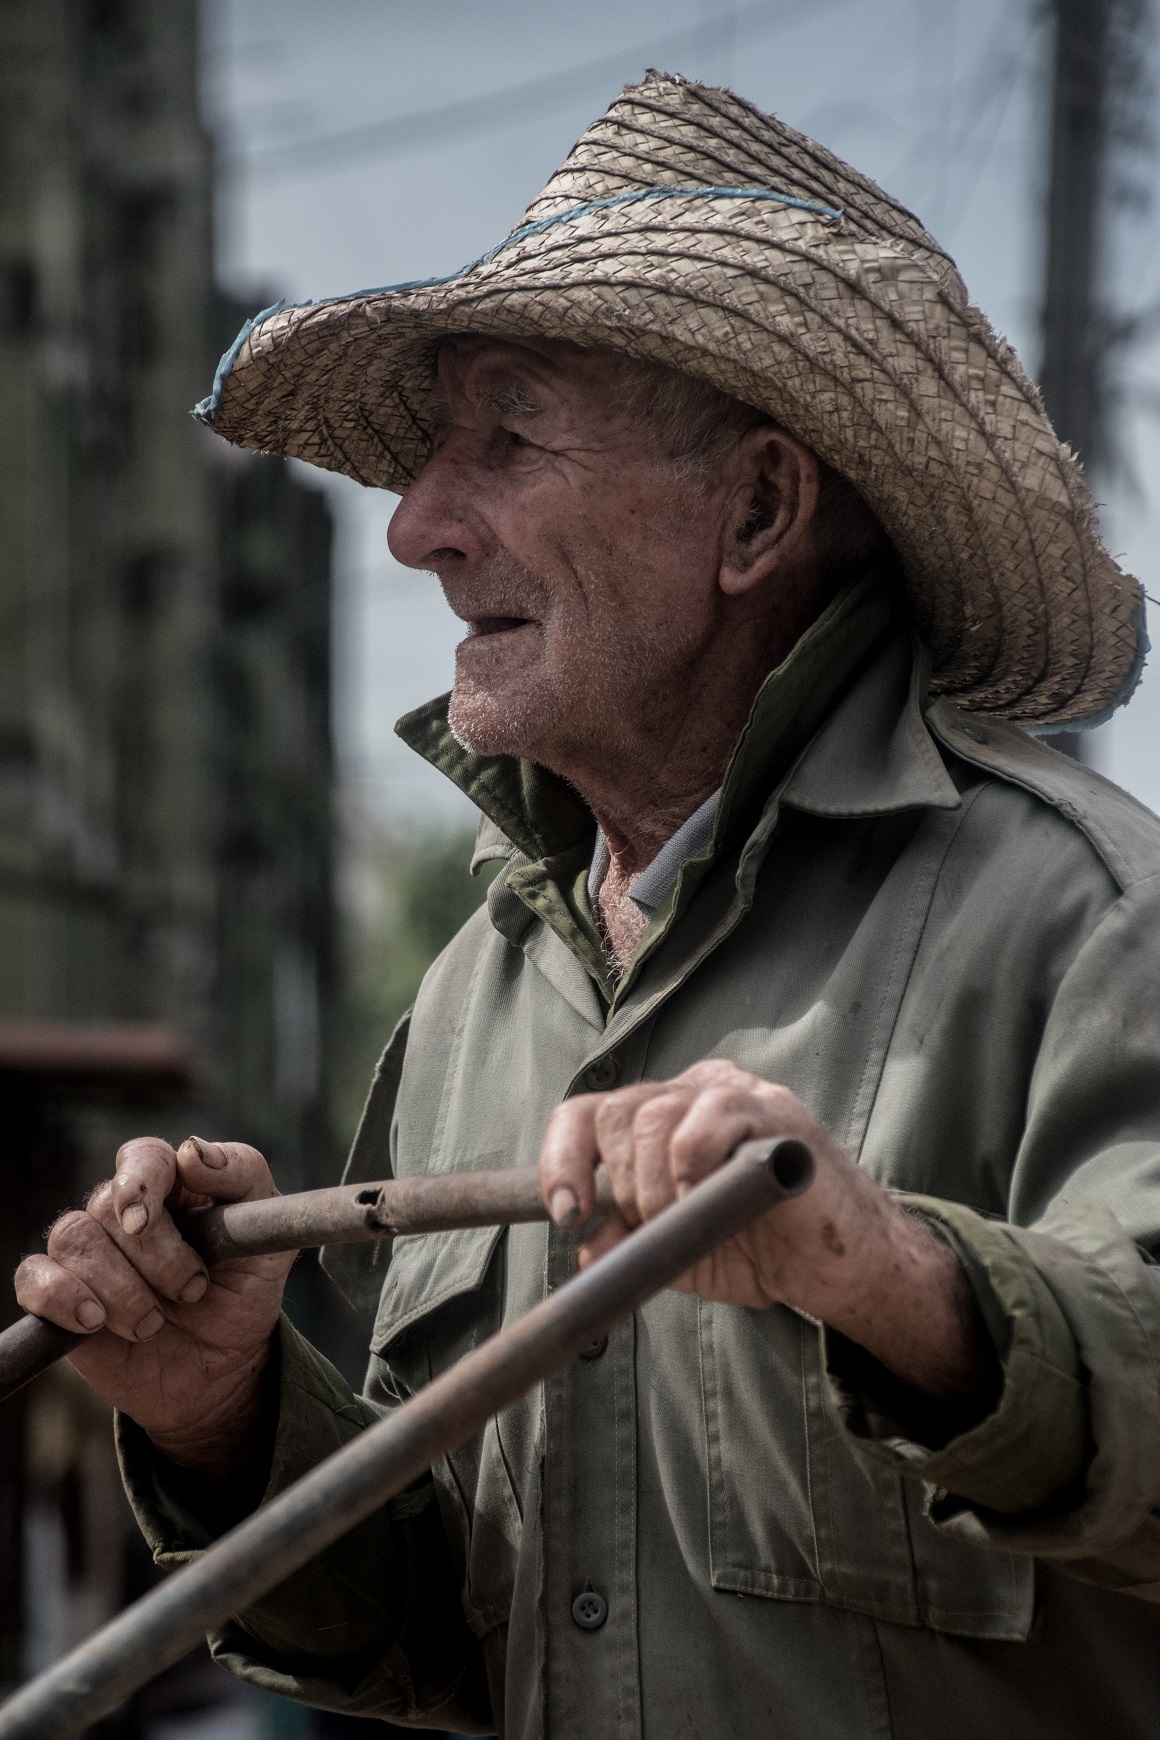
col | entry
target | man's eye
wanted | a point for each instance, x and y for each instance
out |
(505, 442)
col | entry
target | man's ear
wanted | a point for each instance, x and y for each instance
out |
(771, 509)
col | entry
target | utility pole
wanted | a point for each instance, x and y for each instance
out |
(1099, 112)
(1072, 374)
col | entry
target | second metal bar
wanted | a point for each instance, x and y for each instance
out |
(302, 1521)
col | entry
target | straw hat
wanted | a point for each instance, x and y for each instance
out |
(688, 227)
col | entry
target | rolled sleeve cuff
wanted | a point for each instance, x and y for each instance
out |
(1030, 1451)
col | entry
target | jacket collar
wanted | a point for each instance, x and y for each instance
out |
(874, 755)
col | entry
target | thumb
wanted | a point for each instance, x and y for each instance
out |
(224, 1171)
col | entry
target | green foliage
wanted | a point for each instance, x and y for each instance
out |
(436, 893)
(422, 894)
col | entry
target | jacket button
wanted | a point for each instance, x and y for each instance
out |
(594, 1348)
(589, 1610)
(600, 1075)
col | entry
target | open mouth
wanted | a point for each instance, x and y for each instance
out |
(484, 625)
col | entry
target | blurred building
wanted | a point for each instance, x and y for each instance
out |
(165, 764)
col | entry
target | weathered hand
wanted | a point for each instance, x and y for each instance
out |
(844, 1252)
(177, 1347)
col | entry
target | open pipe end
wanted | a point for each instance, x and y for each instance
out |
(789, 1162)
(792, 1164)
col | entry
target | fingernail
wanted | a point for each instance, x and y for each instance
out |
(194, 1289)
(208, 1153)
(563, 1206)
(90, 1314)
(149, 1324)
(135, 1218)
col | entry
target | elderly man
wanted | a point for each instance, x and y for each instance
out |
(765, 551)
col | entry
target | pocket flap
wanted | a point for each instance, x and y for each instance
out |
(428, 1269)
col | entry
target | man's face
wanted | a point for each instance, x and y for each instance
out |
(560, 536)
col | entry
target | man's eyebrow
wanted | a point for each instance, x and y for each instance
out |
(509, 399)
(504, 399)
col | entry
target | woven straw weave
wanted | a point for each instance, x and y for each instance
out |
(764, 264)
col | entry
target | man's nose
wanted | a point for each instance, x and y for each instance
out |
(437, 521)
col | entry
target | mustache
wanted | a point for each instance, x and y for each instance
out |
(499, 587)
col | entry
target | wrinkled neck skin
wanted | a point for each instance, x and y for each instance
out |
(662, 748)
(665, 750)
(621, 614)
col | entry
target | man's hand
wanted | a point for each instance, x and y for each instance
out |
(844, 1252)
(178, 1347)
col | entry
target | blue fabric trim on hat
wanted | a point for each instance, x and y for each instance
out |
(641, 193)
(206, 410)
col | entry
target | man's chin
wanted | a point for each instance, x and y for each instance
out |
(489, 722)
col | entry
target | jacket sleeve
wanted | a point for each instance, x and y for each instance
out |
(1029, 1450)
(1066, 1467)
(374, 1626)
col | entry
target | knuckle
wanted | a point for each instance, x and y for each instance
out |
(100, 1203)
(143, 1150)
(73, 1235)
(775, 1094)
(653, 1115)
(30, 1280)
(712, 1070)
(686, 1154)
(727, 1099)
(609, 1115)
(653, 1112)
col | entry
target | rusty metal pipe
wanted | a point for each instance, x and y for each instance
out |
(347, 1214)
(358, 1213)
(301, 1522)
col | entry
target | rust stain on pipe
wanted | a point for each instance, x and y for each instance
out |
(347, 1214)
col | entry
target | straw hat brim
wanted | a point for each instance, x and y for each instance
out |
(861, 347)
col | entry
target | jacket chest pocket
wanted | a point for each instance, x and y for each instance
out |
(443, 1296)
(796, 1514)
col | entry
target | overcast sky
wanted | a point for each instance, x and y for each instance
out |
(941, 103)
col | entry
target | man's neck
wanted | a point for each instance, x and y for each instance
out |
(624, 897)
(634, 840)
(643, 787)
(621, 922)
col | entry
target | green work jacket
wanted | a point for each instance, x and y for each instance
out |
(945, 938)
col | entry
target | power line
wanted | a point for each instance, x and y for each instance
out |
(957, 146)
(514, 103)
